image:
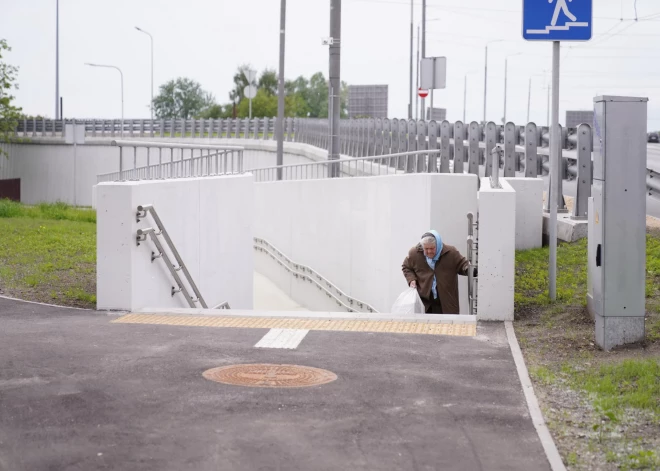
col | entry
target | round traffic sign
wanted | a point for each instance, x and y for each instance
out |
(250, 92)
(423, 93)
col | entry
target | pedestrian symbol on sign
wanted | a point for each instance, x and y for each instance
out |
(554, 20)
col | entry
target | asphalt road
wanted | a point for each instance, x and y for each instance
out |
(80, 393)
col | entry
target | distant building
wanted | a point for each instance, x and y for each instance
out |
(439, 114)
(575, 118)
(367, 101)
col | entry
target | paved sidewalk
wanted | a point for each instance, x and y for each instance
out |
(78, 392)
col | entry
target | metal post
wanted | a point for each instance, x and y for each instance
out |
(555, 174)
(529, 98)
(464, 97)
(279, 125)
(410, 103)
(506, 79)
(417, 98)
(495, 176)
(57, 59)
(151, 105)
(423, 104)
(335, 80)
(485, 82)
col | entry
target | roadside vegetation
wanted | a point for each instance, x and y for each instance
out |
(603, 408)
(48, 253)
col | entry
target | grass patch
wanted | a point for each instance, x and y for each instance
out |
(51, 211)
(628, 384)
(48, 260)
(602, 407)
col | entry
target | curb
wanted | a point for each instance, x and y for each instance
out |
(44, 304)
(551, 451)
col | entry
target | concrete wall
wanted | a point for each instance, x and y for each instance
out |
(48, 168)
(497, 251)
(210, 221)
(529, 212)
(357, 231)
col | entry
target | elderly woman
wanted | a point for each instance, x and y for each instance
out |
(432, 268)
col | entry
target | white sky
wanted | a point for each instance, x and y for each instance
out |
(207, 39)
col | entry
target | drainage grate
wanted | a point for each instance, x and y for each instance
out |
(270, 376)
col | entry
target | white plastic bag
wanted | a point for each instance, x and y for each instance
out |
(408, 303)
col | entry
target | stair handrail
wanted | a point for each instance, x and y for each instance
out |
(306, 273)
(142, 212)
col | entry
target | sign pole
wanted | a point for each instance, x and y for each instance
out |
(555, 174)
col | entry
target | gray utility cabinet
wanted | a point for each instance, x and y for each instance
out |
(617, 221)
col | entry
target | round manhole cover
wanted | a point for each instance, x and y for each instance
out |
(270, 376)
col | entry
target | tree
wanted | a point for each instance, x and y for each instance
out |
(268, 82)
(217, 111)
(9, 114)
(264, 105)
(182, 98)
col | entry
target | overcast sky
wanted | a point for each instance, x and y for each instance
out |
(207, 39)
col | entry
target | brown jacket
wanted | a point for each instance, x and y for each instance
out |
(450, 264)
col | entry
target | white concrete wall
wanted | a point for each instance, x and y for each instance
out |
(210, 221)
(47, 171)
(529, 212)
(356, 232)
(497, 251)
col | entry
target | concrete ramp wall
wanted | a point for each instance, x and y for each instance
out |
(210, 221)
(356, 232)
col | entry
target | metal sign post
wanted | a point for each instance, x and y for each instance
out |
(555, 21)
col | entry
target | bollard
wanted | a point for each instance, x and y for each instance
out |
(495, 177)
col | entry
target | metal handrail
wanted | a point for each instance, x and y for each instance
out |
(471, 246)
(141, 236)
(305, 273)
(168, 145)
(354, 166)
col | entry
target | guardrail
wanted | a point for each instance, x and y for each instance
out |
(421, 162)
(212, 160)
(307, 274)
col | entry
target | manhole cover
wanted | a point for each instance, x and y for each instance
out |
(270, 376)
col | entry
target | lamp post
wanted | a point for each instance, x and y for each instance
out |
(151, 105)
(122, 89)
(57, 59)
(506, 78)
(486, 76)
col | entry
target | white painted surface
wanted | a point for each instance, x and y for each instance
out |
(356, 232)
(267, 296)
(497, 251)
(210, 221)
(287, 339)
(529, 212)
(47, 171)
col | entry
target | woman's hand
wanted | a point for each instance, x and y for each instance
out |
(413, 284)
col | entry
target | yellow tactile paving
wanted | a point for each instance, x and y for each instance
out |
(338, 325)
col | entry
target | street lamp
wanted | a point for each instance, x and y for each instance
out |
(57, 59)
(506, 72)
(151, 106)
(486, 75)
(122, 89)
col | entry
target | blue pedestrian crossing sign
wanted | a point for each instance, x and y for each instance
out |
(557, 20)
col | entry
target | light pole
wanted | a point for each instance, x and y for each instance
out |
(486, 76)
(529, 98)
(151, 106)
(464, 98)
(279, 123)
(122, 89)
(57, 59)
(410, 103)
(506, 79)
(423, 104)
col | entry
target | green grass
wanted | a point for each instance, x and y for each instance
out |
(48, 259)
(531, 287)
(54, 211)
(628, 384)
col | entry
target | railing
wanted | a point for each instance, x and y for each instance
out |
(212, 160)
(307, 274)
(162, 253)
(472, 249)
(420, 162)
(526, 148)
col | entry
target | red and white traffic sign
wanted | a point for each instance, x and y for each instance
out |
(423, 93)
